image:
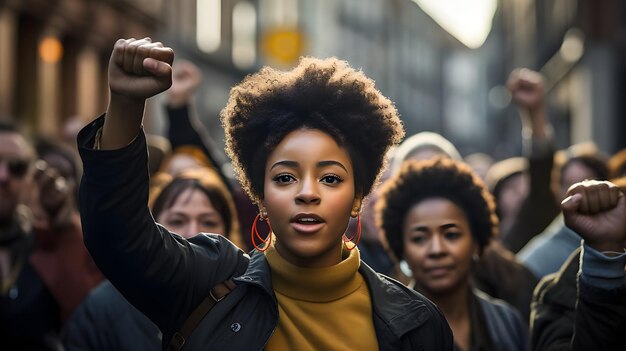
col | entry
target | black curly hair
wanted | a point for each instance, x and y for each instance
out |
(444, 178)
(324, 94)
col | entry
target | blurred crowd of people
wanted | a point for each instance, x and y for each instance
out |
(494, 230)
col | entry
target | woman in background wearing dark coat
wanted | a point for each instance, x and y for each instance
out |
(438, 216)
(194, 201)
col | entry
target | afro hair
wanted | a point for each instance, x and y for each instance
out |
(437, 178)
(324, 94)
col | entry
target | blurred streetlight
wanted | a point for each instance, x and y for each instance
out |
(573, 45)
(244, 35)
(50, 49)
(469, 21)
(570, 53)
(208, 25)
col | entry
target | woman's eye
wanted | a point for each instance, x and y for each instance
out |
(209, 224)
(175, 223)
(332, 179)
(418, 239)
(284, 178)
(452, 235)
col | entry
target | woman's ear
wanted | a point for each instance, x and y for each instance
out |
(476, 255)
(356, 206)
(262, 209)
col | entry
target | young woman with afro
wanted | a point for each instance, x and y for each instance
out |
(438, 216)
(307, 145)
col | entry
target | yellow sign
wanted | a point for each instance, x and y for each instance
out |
(283, 45)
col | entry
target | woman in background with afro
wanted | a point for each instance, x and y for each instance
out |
(307, 146)
(439, 216)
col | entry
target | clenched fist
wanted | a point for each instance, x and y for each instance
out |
(186, 79)
(139, 69)
(597, 211)
(526, 88)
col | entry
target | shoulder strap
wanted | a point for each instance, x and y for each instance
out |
(215, 295)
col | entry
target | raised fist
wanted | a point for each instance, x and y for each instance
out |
(186, 79)
(597, 211)
(139, 69)
(526, 88)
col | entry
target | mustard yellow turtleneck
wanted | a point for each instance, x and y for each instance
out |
(321, 308)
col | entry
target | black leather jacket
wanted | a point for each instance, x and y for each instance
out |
(571, 314)
(166, 276)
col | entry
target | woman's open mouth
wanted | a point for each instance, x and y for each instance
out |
(307, 223)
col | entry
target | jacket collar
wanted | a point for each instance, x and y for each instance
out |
(258, 273)
(392, 302)
(399, 307)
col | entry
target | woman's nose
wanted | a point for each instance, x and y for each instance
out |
(436, 247)
(192, 229)
(308, 192)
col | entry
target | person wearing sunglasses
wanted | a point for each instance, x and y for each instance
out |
(15, 159)
(22, 293)
(45, 270)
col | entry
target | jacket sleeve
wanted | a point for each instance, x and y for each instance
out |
(588, 315)
(160, 273)
(182, 131)
(539, 207)
(553, 308)
(601, 307)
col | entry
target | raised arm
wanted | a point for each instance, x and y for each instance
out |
(539, 207)
(597, 211)
(162, 274)
(185, 129)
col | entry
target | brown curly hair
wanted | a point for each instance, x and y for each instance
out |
(324, 94)
(440, 177)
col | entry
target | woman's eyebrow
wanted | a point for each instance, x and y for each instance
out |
(331, 163)
(449, 225)
(294, 164)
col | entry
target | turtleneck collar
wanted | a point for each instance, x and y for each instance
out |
(314, 284)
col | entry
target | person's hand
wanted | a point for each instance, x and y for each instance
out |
(526, 88)
(597, 211)
(527, 91)
(139, 69)
(186, 79)
(53, 195)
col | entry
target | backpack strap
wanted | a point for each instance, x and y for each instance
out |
(219, 292)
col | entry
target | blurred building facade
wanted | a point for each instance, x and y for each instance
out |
(392, 41)
(54, 54)
(579, 47)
